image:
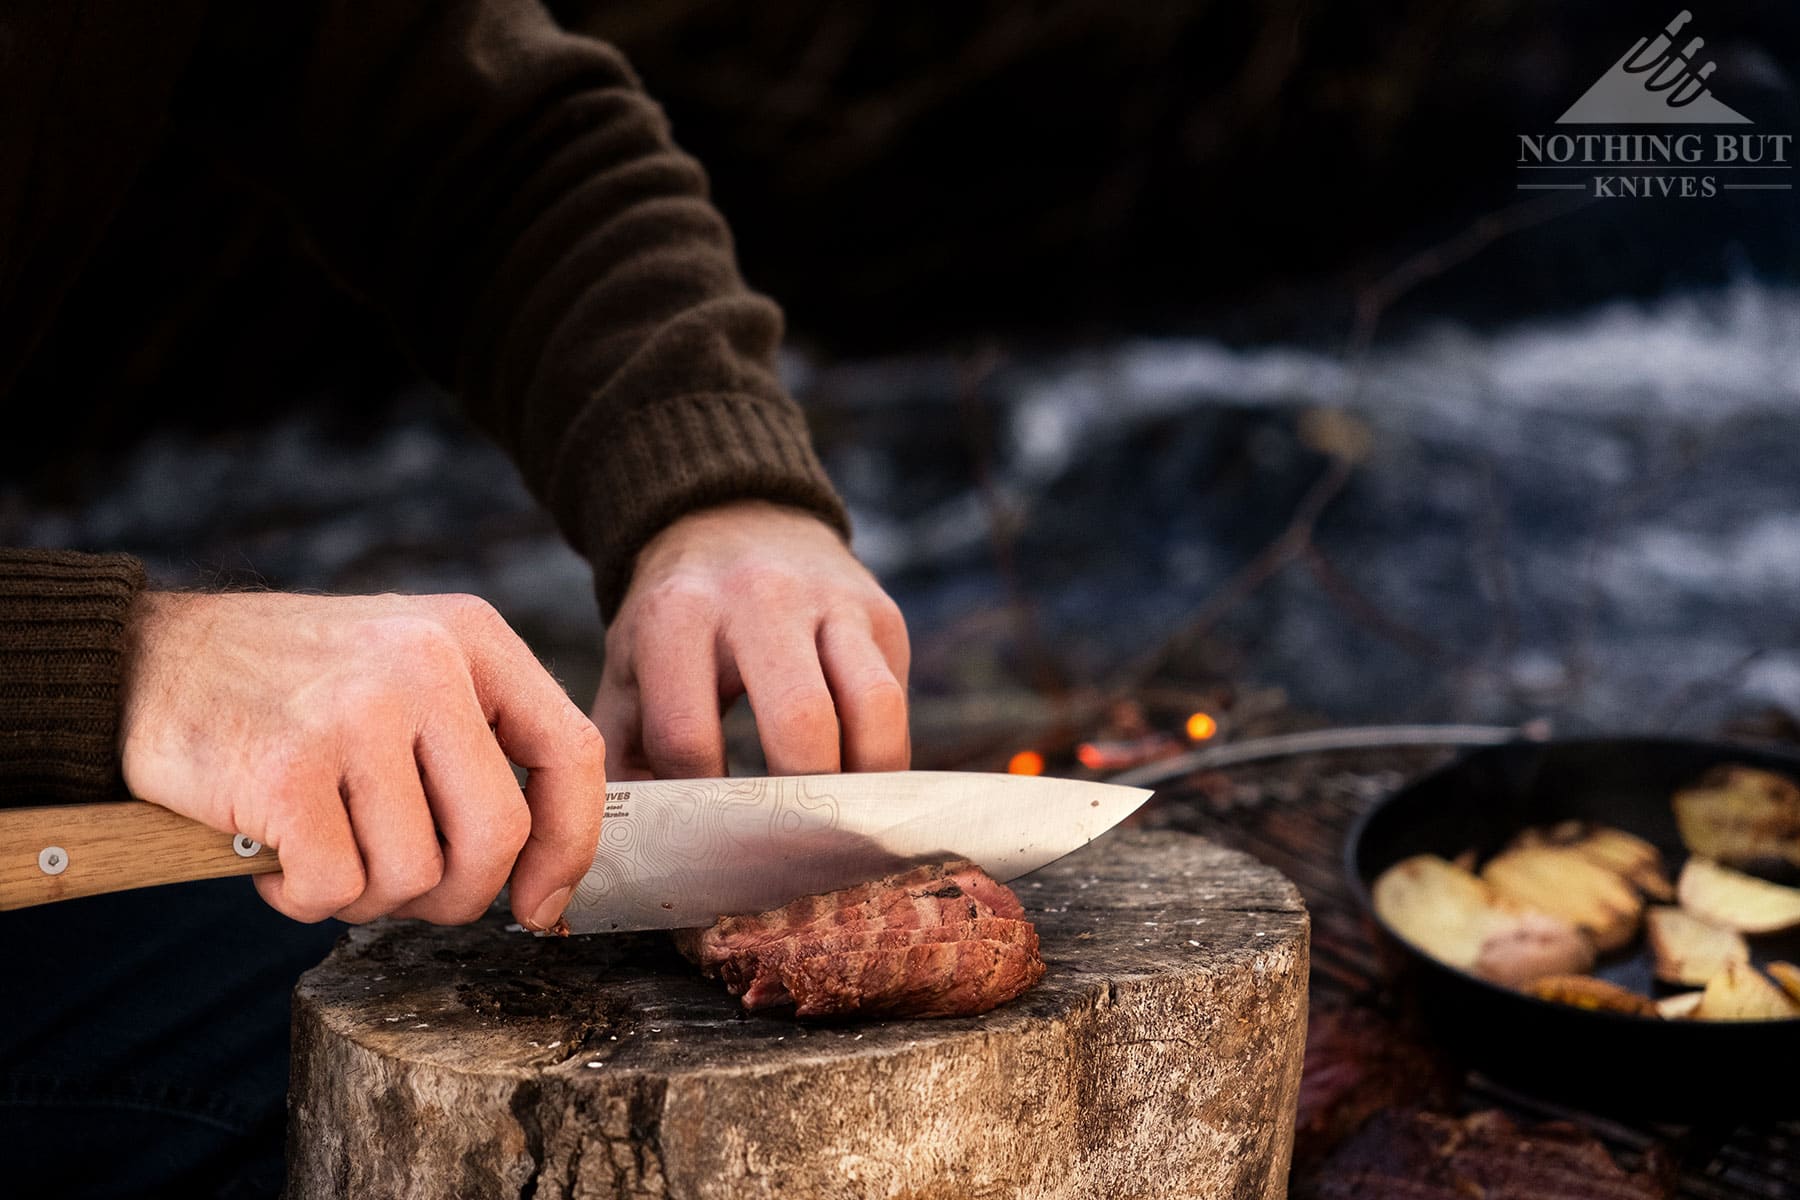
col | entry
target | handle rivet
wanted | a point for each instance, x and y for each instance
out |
(53, 860)
(246, 846)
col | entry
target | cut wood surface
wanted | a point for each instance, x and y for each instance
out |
(1159, 1057)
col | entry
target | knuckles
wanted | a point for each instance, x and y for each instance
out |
(463, 911)
(416, 875)
(293, 771)
(802, 712)
(882, 694)
(448, 910)
(512, 829)
(399, 666)
(768, 587)
(406, 643)
(323, 890)
(587, 745)
(470, 614)
(683, 599)
(682, 737)
(886, 621)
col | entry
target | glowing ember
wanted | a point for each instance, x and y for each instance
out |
(1121, 754)
(1201, 726)
(1026, 762)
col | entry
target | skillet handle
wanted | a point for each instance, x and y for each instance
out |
(61, 851)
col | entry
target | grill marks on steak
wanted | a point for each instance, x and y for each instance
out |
(757, 974)
(934, 941)
(935, 979)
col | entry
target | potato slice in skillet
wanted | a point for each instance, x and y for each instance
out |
(1625, 854)
(1458, 919)
(1736, 900)
(1527, 945)
(1689, 950)
(1741, 815)
(1631, 856)
(1595, 995)
(1564, 882)
(1740, 993)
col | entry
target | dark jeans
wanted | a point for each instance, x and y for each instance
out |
(144, 1042)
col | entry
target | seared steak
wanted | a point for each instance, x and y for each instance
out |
(936, 941)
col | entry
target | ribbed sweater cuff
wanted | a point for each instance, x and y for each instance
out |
(678, 456)
(62, 650)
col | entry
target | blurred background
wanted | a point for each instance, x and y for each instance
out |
(1173, 357)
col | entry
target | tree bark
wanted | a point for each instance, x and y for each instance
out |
(1159, 1057)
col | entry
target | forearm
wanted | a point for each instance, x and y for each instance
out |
(510, 196)
(63, 624)
(631, 372)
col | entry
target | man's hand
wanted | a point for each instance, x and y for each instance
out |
(367, 739)
(759, 599)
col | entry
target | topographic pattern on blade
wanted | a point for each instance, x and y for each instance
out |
(701, 843)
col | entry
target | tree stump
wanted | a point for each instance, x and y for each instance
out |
(1158, 1058)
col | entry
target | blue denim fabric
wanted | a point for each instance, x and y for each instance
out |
(144, 1042)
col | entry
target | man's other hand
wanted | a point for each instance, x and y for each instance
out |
(367, 739)
(753, 598)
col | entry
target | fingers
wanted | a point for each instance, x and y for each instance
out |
(542, 730)
(363, 749)
(871, 701)
(795, 716)
(479, 813)
(394, 830)
(678, 691)
(616, 716)
(321, 869)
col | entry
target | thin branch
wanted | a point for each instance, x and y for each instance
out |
(1374, 300)
(1044, 673)
(1371, 615)
(1288, 546)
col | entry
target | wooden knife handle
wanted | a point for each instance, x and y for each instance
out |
(61, 851)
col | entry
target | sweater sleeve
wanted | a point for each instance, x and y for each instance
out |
(62, 650)
(508, 195)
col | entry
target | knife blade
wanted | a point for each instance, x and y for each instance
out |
(681, 853)
(672, 853)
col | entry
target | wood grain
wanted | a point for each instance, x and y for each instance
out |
(1159, 1058)
(111, 848)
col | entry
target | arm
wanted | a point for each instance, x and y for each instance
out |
(366, 738)
(510, 196)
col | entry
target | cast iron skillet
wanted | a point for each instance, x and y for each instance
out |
(1670, 1070)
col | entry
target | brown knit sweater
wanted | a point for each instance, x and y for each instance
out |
(503, 190)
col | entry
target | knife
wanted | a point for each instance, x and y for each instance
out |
(673, 853)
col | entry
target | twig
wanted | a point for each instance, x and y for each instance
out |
(1289, 545)
(1044, 674)
(1373, 301)
(1371, 615)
